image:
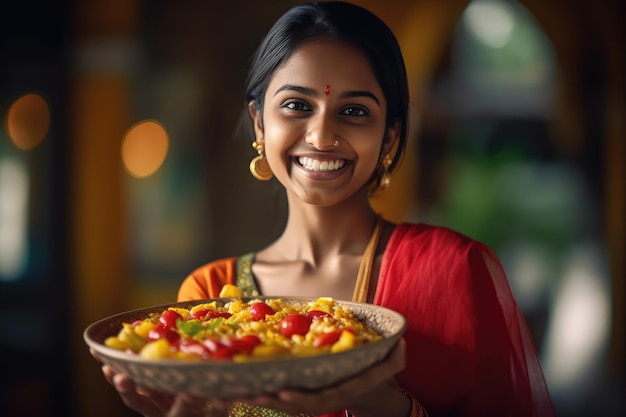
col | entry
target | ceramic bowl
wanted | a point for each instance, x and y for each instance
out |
(235, 379)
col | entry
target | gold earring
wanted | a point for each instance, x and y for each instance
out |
(259, 167)
(384, 176)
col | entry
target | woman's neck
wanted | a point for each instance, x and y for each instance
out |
(314, 233)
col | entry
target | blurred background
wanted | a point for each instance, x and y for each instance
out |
(122, 169)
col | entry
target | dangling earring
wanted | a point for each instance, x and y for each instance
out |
(259, 167)
(384, 176)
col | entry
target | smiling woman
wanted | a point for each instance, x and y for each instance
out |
(327, 100)
(295, 107)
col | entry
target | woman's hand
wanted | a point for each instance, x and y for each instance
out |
(152, 403)
(373, 392)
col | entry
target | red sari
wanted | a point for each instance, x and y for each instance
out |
(469, 350)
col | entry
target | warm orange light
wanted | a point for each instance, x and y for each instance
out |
(28, 121)
(144, 148)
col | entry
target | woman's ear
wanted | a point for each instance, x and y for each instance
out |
(391, 138)
(257, 120)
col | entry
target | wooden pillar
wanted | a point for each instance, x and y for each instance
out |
(100, 112)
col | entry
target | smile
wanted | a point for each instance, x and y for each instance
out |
(317, 165)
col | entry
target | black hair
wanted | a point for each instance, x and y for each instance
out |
(347, 23)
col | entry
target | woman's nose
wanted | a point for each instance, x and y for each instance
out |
(322, 133)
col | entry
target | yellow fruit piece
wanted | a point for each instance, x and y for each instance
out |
(241, 357)
(302, 350)
(236, 307)
(346, 342)
(204, 306)
(325, 304)
(239, 316)
(130, 337)
(115, 343)
(182, 311)
(186, 356)
(143, 328)
(322, 307)
(159, 349)
(277, 305)
(229, 291)
(328, 301)
(269, 351)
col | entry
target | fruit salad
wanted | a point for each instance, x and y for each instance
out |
(242, 331)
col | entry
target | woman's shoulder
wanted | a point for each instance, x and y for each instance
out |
(419, 244)
(221, 266)
(207, 280)
(439, 250)
(431, 235)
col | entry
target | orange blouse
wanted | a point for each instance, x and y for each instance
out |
(208, 280)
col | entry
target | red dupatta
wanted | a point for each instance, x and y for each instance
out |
(469, 349)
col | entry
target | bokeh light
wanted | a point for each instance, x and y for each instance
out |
(28, 121)
(490, 21)
(14, 190)
(144, 148)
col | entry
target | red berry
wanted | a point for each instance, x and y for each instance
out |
(328, 338)
(295, 324)
(314, 314)
(259, 310)
(169, 317)
(162, 332)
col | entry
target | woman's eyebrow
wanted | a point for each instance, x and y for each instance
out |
(351, 94)
(303, 90)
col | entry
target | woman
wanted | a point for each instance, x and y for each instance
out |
(328, 99)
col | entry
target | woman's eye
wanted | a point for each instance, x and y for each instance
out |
(354, 111)
(296, 105)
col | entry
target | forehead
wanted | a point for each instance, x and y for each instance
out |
(318, 63)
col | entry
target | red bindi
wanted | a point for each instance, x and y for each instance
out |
(327, 89)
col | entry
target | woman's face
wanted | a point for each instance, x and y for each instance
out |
(323, 122)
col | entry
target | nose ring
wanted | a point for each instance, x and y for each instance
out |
(336, 143)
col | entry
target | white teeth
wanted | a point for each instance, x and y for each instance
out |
(316, 165)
